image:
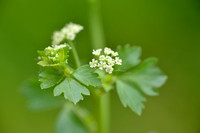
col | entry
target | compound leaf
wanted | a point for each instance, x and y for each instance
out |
(85, 75)
(147, 76)
(130, 57)
(72, 90)
(129, 96)
(49, 77)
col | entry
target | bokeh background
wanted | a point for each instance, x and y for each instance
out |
(167, 29)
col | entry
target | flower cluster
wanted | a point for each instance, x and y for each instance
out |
(68, 32)
(105, 61)
(53, 54)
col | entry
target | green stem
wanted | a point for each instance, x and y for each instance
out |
(102, 102)
(103, 114)
(96, 26)
(76, 58)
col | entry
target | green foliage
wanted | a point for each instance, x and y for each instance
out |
(84, 74)
(40, 99)
(49, 77)
(129, 96)
(54, 56)
(130, 78)
(147, 76)
(69, 122)
(73, 119)
(130, 57)
(106, 79)
(72, 90)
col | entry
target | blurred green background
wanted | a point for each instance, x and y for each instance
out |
(167, 29)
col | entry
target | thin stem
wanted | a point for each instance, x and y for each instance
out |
(102, 102)
(96, 26)
(104, 108)
(76, 58)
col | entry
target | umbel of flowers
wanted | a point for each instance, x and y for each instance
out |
(68, 32)
(106, 60)
(58, 52)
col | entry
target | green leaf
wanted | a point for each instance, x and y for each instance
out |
(69, 122)
(72, 90)
(129, 96)
(130, 57)
(106, 79)
(86, 76)
(43, 63)
(41, 53)
(147, 76)
(49, 77)
(53, 56)
(63, 54)
(38, 99)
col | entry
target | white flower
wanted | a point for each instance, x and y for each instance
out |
(93, 63)
(105, 61)
(76, 28)
(109, 69)
(71, 36)
(65, 30)
(107, 51)
(102, 57)
(57, 47)
(102, 65)
(96, 52)
(114, 53)
(118, 61)
(68, 32)
(57, 37)
(111, 62)
(108, 58)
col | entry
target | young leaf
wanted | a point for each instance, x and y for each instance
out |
(49, 77)
(72, 90)
(130, 56)
(147, 76)
(41, 53)
(63, 54)
(106, 80)
(69, 122)
(129, 96)
(84, 74)
(54, 56)
(43, 63)
(40, 99)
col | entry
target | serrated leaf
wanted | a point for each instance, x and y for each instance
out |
(147, 76)
(86, 76)
(49, 77)
(129, 96)
(130, 57)
(69, 122)
(38, 99)
(72, 90)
